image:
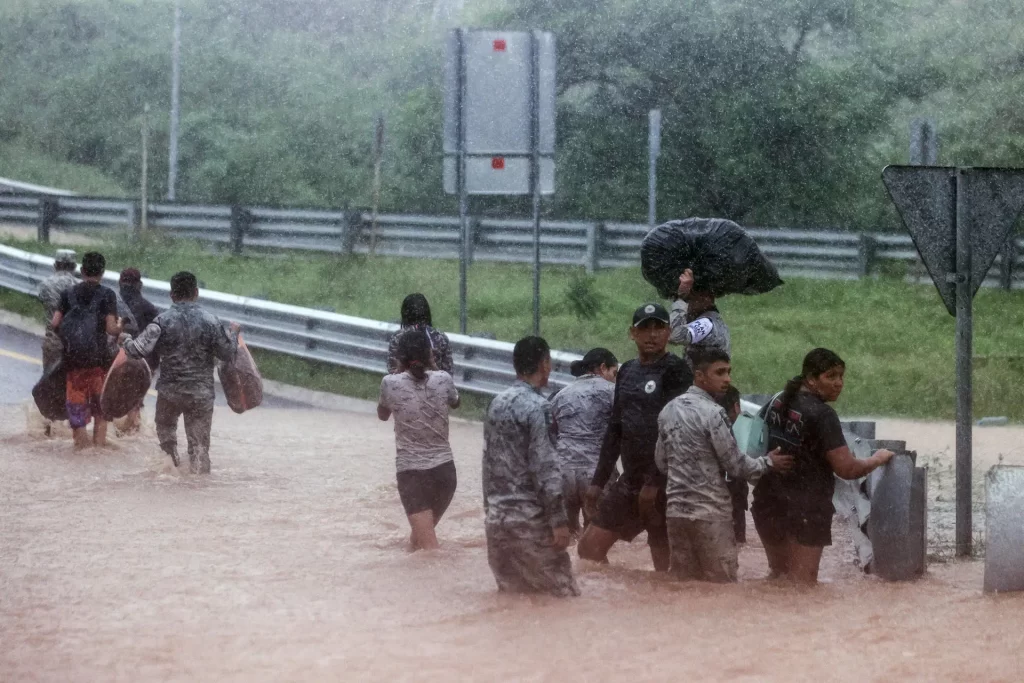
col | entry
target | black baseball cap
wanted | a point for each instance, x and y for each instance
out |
(650, 312)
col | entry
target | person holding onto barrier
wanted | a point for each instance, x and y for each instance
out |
(793, 510)
(49, 294)
(87, 315)
(524, 512)
(581, 412)
(420, 398)
(416, 316)
(636, 500)
(696, 450)
(189, 341)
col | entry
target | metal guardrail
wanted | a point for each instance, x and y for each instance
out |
(594, 245)
(482, 366)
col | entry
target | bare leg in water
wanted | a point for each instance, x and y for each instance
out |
(423, 536)
(804, 561)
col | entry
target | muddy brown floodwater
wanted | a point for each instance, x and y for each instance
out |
(289, 563)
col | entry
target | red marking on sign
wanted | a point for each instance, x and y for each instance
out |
(498, 163)
(500, 45)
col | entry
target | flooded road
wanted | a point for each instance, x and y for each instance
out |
(289, 563)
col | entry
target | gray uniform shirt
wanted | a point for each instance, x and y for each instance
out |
(522, 483)
(708, 330)
(189, 341)
(50, 290)
(581, 412)
(420, 410)
(696, 448)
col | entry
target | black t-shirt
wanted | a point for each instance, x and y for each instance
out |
(641, 391)
(82, 295)
(808, 429)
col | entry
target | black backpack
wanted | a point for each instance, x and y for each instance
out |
(85, 340)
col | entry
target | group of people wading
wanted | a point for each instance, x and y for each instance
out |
(667, 420)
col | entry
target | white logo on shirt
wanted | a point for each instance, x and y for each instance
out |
(650, 387)
(700, 329)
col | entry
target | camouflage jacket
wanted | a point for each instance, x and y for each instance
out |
(696, 449)
(706, 330)
(189, 342)
(581, 412)
(438, 342)
(50, 290)
(522, 483)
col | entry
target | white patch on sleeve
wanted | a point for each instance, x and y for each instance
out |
(700, 329)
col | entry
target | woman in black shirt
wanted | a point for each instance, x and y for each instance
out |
(793, 511)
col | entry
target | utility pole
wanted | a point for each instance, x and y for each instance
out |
(172, 156)
(378, 157)
(144, 185)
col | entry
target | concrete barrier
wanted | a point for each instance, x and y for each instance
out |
(1004, 529)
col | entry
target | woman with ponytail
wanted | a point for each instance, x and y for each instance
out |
(419, 397)
(793, 510)
(581, 412)
(416, 317)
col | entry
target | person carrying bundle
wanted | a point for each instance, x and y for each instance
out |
(189, 341)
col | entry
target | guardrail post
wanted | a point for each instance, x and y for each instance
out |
(135, 216)
(49, 209)
(1008, 260)
(866, 251)
(595, 247)
(241, 221)
(476, 236)
(351, 226)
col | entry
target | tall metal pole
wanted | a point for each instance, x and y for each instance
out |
(463, 192)
(653, 151)
(144, 183)
(378, 157)
(964, 393)
(535, 171)
(172, 152)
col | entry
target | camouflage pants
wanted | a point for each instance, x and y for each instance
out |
(523, 561)
(702, 551)
(198, 423)
(53, 349)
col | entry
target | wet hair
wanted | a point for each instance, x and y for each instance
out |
(183, 285)
(591, 362)
(416, 311)
(529, 355)
(93, 264)
(702, 358)
(414, 353)
(730, 398)
(816, 363)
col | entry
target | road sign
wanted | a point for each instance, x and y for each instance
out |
(926, 197)
(959, 219)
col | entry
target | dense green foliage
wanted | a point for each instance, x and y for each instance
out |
(776, 112)
(897, 339)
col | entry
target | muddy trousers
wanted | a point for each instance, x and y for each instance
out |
(523, 561)
(198, 422)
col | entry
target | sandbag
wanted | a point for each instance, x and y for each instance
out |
(125, 387)
(724, 259)
(241, 380)
(51, 392)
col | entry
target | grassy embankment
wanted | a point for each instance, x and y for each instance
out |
(897, 339)
(29, 166)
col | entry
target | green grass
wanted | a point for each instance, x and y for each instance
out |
(897, 339)
(18, 162)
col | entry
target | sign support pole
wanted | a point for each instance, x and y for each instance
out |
(964, 350)
(535, 172)
(653, 151)
(463, 192)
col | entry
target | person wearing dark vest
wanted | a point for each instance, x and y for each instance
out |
(636, 501)
(86, 316)
(793, 511)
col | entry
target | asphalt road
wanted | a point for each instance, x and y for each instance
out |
(21, 366)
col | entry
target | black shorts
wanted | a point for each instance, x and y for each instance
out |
(777, 520)
(432, 489)
(619, 512)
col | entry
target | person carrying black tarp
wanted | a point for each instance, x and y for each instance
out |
(636, 501)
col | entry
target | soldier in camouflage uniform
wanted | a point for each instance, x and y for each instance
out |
(581, 412)
(525, 520)
(50, 290)
(695, 320)
(189, 341)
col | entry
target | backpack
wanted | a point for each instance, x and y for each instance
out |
(85, 343)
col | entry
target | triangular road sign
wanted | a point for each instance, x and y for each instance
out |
(926, 199)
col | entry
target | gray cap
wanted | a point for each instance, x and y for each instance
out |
(65, 257)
